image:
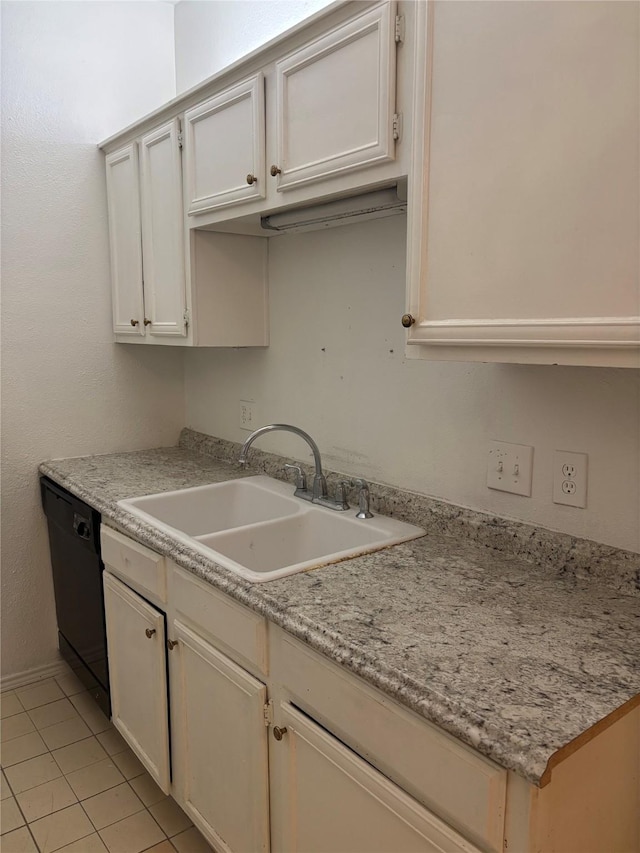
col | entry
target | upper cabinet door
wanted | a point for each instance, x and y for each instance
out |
(224, 148)
(336, 101)
(163, 230)
(524, 199)
(123, 197)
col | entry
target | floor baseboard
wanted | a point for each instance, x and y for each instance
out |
(29, 676)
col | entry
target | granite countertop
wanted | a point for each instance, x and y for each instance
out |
(515, 659)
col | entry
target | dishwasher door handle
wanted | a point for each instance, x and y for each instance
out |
(81, 526)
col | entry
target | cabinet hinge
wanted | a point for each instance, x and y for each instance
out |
(187, 317)
(268, 712)
(180, 140)
(397, 125)
(399, 32)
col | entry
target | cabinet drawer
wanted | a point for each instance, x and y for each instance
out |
(140, 567)
(241, 631)
(465, 789)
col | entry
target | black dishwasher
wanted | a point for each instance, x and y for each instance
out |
(74, 540)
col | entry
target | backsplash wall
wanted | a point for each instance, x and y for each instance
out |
(336, 367)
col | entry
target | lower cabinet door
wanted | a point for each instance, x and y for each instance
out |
(220, 739)
(136, 644)
(326, 799)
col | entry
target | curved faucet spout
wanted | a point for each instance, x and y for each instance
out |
(319, 482)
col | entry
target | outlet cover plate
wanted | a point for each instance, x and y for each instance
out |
(570, 478)
(247, 415)
(510, 468)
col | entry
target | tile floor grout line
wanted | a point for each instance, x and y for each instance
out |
(24, 817)
(64, 776)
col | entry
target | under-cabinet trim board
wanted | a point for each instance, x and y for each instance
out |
(558, 332)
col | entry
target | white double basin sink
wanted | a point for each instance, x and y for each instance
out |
(257, 529)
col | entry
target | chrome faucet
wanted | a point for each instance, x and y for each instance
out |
(318, 494)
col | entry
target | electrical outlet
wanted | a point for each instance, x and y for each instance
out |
(247, 415)
(510, 468)
(570, 478)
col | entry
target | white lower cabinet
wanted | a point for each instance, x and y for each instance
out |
(137, 676)
(276, 748)
(252, 771)
(329, 800)
(220, 741)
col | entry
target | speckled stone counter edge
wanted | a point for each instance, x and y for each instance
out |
(561, 552)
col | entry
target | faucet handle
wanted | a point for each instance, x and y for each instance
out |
(363, 498)
(301, 477)
(341, 494)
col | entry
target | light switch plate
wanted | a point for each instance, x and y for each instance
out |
(510, 468)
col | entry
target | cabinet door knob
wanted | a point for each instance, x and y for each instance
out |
(171, 644)
(408, 320)
(147, 322)
(135, 322)
(251, 179)
(279, 733)
(275, 171)
(149, 632)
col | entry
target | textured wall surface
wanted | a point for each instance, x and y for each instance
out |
(211, 34)
(72, 74)
(336, 368)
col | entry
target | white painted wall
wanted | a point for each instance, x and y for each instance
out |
(72, 74)
(211, 34)
(336, 368)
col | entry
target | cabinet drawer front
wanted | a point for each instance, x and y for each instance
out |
(142, 568)
(359, 809)
(336, 99)
(224, 147)
(465, 789)
(241, 631)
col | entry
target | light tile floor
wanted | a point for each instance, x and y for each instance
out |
(70, 783)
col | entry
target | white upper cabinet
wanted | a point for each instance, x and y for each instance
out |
(525, 191)
(123, 196)
(225, 139)
(335, 101)
(223, 276)
(163, 231)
